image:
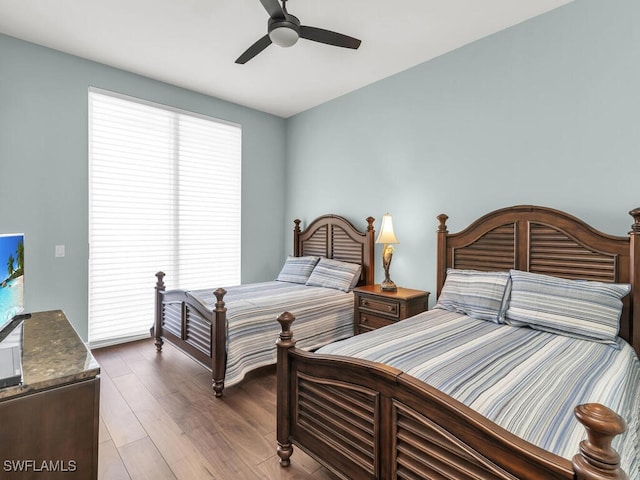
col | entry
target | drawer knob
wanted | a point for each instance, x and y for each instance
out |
(365, 303)
(364, 319)
(390, 308)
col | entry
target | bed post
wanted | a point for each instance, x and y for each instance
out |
(597, 460)
(296, 238)
(368, 253)
(218, 342)
(634, 275)
(157, 324)
(283, 385)
(441, 254)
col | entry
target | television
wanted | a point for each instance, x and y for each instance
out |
(11, 281)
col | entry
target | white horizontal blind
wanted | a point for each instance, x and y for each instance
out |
(208, 204)
(164, 194)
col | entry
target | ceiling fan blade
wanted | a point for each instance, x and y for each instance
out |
(273, 8)
(328, 37)
(254, 50)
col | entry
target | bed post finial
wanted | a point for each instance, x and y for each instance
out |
(286, 335)
(160, 282)
(156, 330)
(218, 343)
(635, 213)
(219, 294)
(370, 221)
(597, 460)
(442, 219)
(283, 428)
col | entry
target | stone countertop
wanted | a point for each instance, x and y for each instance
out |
(53, 354)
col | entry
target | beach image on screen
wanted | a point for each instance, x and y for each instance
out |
(11, 277)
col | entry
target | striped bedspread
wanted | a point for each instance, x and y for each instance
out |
(323, 315)
(524, 380)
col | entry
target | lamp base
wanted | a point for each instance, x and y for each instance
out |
(388, 286)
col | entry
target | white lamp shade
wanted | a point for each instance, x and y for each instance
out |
(283, 36)
(386, 234)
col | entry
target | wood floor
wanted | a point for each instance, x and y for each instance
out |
(160, 420)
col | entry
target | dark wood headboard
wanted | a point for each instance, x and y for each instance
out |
(332, 236)
(544, 240)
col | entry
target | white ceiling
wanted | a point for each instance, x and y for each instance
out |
(194, 43)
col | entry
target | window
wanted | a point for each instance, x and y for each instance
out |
(164, 194)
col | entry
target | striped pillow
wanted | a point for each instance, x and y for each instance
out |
(577, 308)
(335, 274)
(480, 295)
(297, 269)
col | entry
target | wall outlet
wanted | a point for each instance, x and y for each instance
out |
(59, 250)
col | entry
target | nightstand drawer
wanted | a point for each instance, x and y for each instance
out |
(367, 321)
(385, 307)
(375, 308)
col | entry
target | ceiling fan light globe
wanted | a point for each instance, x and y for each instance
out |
(284, 36)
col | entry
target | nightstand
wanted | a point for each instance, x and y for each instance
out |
(375, 308)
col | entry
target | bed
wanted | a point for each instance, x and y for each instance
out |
(366, 419)
(232, 331)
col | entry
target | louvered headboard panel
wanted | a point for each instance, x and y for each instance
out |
(317, 243)
(554, 252)
(547, 241)
(344, 248)
(332, 236)
(495, 250)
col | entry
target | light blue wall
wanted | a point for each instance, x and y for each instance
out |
(43, 169)
(545, 113)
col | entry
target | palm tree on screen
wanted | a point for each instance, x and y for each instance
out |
(20, 253)
(10, 261)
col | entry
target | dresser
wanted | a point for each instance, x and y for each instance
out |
(49, 423)
(375, 308)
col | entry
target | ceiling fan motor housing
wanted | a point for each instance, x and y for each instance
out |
(284, 31)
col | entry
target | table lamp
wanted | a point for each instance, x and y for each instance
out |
(387, 237)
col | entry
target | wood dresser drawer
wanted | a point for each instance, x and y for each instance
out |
(374, 308)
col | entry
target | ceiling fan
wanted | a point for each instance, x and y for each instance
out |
(284, 30)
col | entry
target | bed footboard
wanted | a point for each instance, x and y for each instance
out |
(361, 419)
(184, 321)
